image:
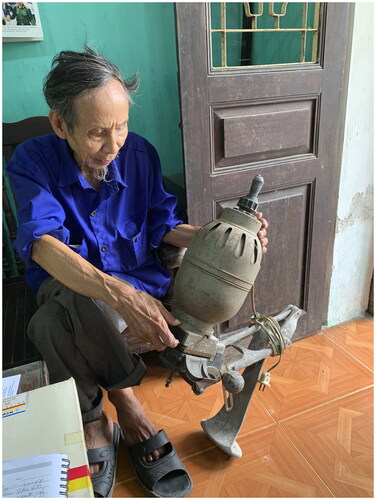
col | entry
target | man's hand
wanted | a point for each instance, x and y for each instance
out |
(148, 319)
(181, 236)
(262, 233)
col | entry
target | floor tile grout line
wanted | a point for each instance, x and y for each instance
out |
(325, 404)
(239, 436)
(267, 411)
(306, 460)
(347, 352)
(322, 404)
(120, 483)
(277, 422)
(313, 407)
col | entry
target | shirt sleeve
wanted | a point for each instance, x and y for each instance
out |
(162, 216)
(38, 212)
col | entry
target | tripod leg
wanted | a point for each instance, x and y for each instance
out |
(224, 427)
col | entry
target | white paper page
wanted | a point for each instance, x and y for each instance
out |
(41, 476)
(10, 385)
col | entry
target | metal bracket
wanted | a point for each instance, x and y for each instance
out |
(201, 372)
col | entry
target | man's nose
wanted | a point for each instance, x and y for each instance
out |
(110, 145)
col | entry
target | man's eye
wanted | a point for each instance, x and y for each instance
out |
(96, 132)
(122, 127)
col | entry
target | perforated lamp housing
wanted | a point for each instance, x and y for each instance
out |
(219, 267)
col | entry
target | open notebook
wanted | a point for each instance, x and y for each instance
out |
(40, 476)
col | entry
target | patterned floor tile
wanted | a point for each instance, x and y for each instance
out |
(270, 467)
(356, 337)
(337, 440)
(313, 371)
(179, 411)
(308, 435)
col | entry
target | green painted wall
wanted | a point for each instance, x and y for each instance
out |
(135, 36)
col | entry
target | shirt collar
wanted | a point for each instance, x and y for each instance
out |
(115, 171)
(69, 172)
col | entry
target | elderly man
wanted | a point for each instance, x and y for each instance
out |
(92, 211)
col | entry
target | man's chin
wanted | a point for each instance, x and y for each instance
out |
(101, 163)
(99, 173)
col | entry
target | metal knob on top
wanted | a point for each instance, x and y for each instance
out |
(249, 203)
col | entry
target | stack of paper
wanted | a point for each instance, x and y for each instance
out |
(47, 421)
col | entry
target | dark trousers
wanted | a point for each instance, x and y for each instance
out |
(81, 338)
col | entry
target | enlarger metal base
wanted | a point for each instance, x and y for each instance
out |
(200, 372)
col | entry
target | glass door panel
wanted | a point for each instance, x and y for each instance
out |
(258, 34)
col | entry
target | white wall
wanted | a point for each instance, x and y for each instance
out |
(353, 244)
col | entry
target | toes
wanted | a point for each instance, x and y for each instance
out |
(155, 455)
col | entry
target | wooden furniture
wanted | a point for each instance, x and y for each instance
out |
(283, 121)
(18, 300)
(33, 375)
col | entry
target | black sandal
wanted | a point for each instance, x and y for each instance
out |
(165, 477)
(104, 480)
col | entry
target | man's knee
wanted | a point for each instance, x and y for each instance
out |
(44, 324)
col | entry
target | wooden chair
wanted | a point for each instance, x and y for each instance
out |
(18, 300)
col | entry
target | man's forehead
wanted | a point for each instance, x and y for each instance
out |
(96, 121)
(102, 107)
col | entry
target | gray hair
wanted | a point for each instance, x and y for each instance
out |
(76, 73)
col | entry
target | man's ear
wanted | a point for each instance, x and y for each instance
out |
(58, 124)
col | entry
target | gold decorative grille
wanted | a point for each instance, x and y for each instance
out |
(253, 34)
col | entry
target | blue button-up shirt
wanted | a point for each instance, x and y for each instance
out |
(117, 228)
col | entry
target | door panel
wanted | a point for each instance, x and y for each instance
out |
(264, 83)
(250, 133)
(280, 121)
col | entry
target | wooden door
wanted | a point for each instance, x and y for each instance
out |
(282, 120)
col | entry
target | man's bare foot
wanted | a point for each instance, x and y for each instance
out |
(98, 434)
(133, 420)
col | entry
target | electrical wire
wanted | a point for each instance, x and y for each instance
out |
(276, 340)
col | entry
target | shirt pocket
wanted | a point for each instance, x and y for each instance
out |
(133, 243)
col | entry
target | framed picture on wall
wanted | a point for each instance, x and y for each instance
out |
(21, 22)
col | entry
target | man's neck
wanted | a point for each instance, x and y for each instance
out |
(89, 177)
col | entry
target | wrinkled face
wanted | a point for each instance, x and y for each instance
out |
(102, 126)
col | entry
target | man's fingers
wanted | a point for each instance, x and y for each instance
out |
(264, 222)
(264, 242)
(170, 318)
(261, 234)
(163, 341)
(162, 335)
(159, 338)
(159, 344)
(148, 319)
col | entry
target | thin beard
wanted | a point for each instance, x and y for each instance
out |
(99, 174)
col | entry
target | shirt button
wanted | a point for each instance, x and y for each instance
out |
(93, 213)
(104, 248)
(137, 240)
